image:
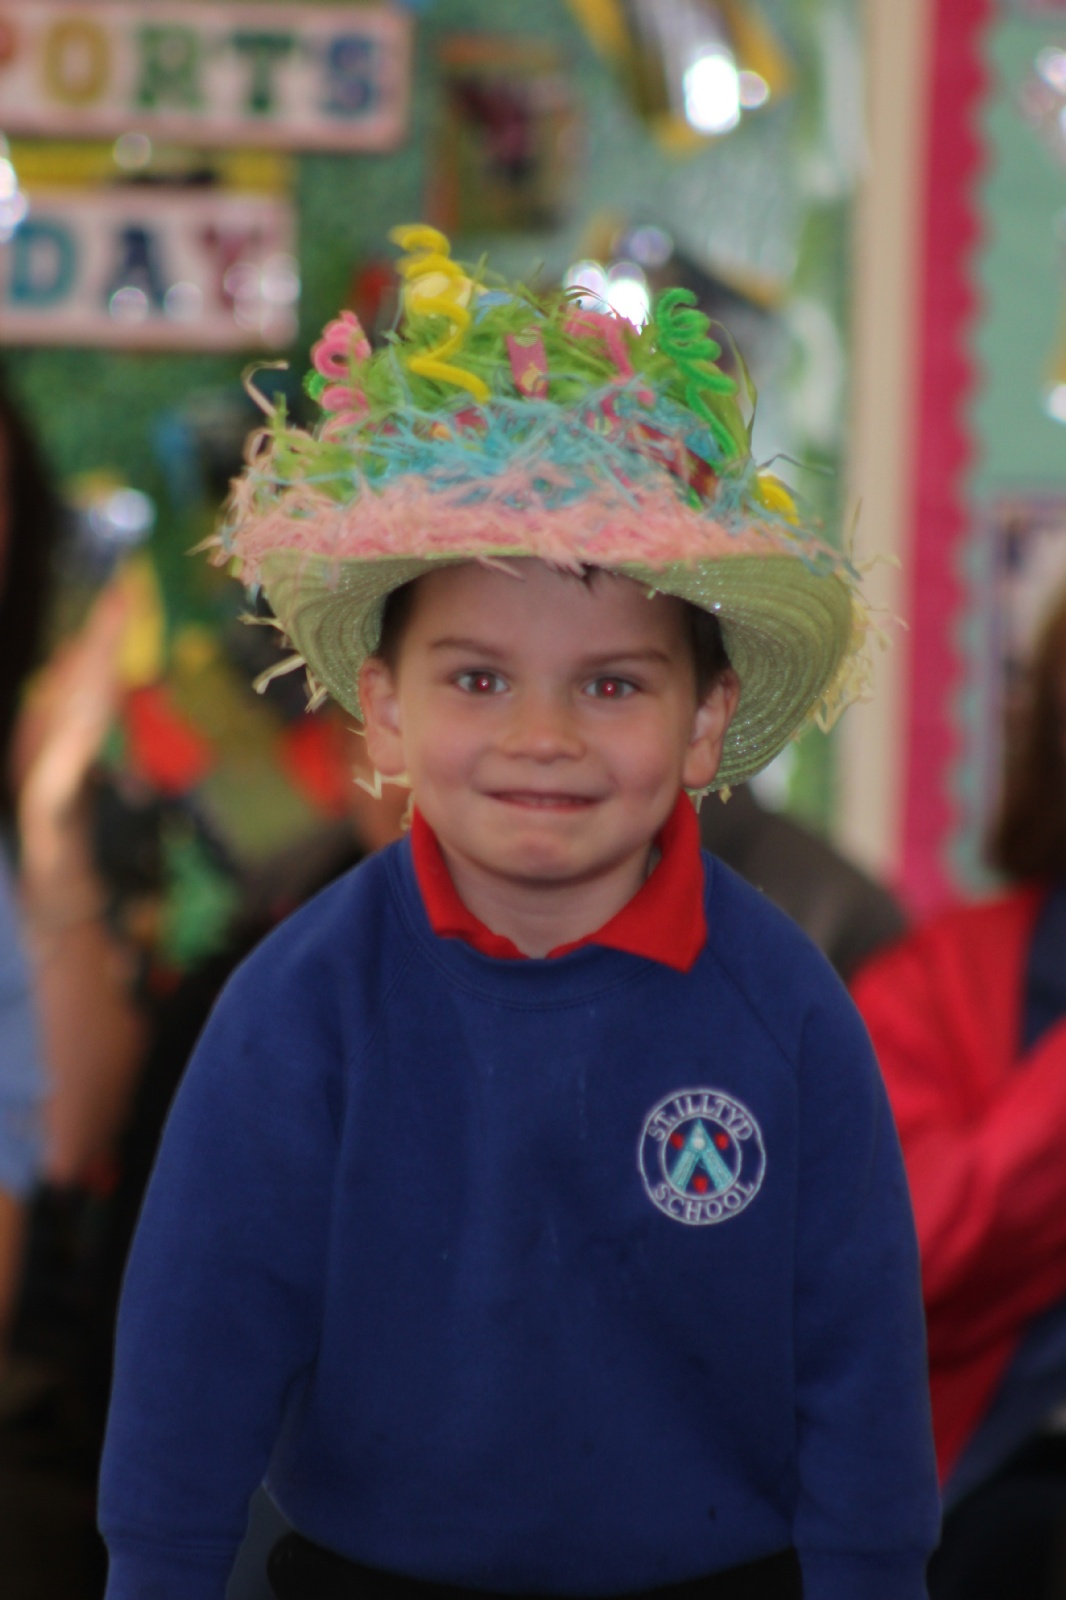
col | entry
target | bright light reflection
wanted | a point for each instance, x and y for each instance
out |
(132, 151)
(1051, 65)
(753, 89)
(652, 247)
(1055, 402)
(241, 280)
(627, 293)
(124, 518)
(13, 202)
(712, 92)
(128, 304)
(280, 280)
(12, 213)
(130, 511)
(264, 293)
(590, 277)
(183, 302)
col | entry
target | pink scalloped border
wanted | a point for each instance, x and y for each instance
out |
(944, 448)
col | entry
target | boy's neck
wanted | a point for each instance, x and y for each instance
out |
(540, 917)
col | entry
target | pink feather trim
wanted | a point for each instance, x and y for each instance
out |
(650, 527)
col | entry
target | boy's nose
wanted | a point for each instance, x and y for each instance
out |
(542, 729)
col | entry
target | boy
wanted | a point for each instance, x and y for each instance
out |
(531, 1214)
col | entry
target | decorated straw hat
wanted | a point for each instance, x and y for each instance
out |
(495, 423)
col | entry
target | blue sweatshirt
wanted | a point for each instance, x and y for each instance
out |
(573, 1277)
(22, 1085)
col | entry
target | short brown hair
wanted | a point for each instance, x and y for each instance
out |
(1028, 839)
(709, 655)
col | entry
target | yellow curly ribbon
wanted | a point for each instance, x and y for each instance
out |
(436, 286)
(771, 493)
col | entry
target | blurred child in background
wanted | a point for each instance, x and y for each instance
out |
(968, 1016)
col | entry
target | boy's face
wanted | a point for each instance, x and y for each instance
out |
(546, 724)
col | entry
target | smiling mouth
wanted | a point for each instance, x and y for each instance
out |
(537, 800)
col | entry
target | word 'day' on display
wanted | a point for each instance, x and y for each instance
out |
(131, 267)
(291, 76)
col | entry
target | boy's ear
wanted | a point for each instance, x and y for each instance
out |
(710, 726)
(381, 717)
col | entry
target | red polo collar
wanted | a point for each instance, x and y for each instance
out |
(663, 922)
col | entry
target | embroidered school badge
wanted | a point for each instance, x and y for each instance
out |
(701, 1156)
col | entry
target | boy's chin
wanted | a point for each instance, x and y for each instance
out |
(520, 854)
(526, 859)
(549, 863)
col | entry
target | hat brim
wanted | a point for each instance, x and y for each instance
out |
(787, 629)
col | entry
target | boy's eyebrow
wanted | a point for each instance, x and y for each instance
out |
(476, 646)
(604, 658)
(646, 653)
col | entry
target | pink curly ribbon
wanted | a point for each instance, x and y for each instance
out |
(529, 363)
(343, 345)
(605, 326)
(343, 341)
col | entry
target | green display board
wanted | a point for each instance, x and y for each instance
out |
(1014, 560)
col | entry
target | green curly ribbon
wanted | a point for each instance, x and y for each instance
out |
(681, 334)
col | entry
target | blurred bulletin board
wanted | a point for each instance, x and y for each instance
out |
(508, 135)
(202, 257)
(299, 77)
(769, 205)
(990, 522)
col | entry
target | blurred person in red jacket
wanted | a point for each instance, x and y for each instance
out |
(968, 1016)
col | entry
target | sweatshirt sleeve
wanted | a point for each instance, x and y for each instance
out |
(221, 1304)
(868, 1509)
(986, 1171)
(22, 1084)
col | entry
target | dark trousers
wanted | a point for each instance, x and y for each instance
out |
(1007, 1540)
(300, 1570)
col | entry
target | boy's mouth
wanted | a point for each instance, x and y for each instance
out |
(541, 800)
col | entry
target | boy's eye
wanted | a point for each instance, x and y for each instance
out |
(481, 682)
(608, 688)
